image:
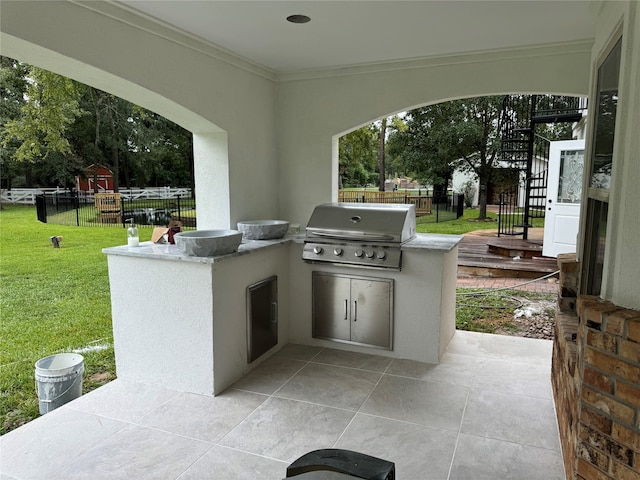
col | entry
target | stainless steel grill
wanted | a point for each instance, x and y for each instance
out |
(366, 235)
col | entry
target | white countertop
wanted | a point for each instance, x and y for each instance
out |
(422, 241)
(168, 251)
(433, 241)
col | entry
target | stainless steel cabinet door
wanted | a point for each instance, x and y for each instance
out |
(331, 307)
(371, 302)
(353, 309)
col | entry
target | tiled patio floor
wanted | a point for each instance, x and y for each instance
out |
(486, 412)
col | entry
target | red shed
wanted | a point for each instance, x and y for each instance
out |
(102, 176)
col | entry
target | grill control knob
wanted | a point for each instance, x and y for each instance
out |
(337, 252)
(381, 255)
(318, 250)
(359, 253)
(369, 253)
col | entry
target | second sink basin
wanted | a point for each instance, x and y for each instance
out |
(263, 229)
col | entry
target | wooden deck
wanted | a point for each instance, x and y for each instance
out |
(484, 254)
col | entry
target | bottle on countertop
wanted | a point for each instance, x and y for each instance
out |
(133, 240)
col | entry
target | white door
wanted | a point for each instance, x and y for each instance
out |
(564, 190)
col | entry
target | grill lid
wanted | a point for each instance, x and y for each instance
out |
(362, 222)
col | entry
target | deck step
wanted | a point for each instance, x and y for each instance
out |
(475, 259)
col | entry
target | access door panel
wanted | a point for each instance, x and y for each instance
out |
(331, 307)
(371, 304)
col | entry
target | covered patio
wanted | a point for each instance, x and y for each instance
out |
(266, 102)
(485, 412)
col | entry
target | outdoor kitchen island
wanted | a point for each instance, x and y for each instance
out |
(181, 321)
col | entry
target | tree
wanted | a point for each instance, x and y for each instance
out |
(458, 134)
(424, 146)
(13, 85)
(479, 147)
(51, 107)
(357, 156)
(381, 153)
(164, 150)
(53, 128)
(37, 133)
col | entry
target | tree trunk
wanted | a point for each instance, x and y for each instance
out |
(96, 145)
(482, 197)
(192, 180)
(115, 159)
(381, 166)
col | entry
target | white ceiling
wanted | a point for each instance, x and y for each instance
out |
(346, 33)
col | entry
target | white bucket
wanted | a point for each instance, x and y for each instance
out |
(58, 380)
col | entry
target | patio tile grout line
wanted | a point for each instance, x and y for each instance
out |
(131, 423)
(470, 389)
(382, 374)
(270, 395)
(455, 448)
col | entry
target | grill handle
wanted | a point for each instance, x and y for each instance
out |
(351, 235)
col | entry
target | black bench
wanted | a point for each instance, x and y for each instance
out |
(338, 464)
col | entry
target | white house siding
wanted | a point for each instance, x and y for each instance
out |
(460, 178)
(279, 133)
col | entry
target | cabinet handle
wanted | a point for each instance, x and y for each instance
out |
(274, 312)
(355, 312)
(346, 309)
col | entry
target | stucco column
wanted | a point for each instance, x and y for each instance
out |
(211, 166)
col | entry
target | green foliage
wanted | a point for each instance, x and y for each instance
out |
(50, 109)
(53, 128)
(358, 156)
(13, 84)
(441, 137)
(51, 300)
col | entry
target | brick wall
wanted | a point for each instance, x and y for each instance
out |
(608, 355)
(565, 377)
(596, 381)
(565, 387)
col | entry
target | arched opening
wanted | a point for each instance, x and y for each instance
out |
(493, 144)
(210, 144)
(210, 151)
(552, 125)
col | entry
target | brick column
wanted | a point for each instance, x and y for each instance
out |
(596, 383)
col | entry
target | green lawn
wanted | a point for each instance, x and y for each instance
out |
(52, 300)
(56, 300)
(467, 223)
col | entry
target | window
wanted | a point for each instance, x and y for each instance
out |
(571, 169)
(600, 165)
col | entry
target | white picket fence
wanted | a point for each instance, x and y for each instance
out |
(27, 196)
(159, 192)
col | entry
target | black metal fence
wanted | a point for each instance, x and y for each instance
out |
(510, 216)
(444, 208)
(78, 208)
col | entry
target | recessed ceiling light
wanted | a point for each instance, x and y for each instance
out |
(298, 19)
